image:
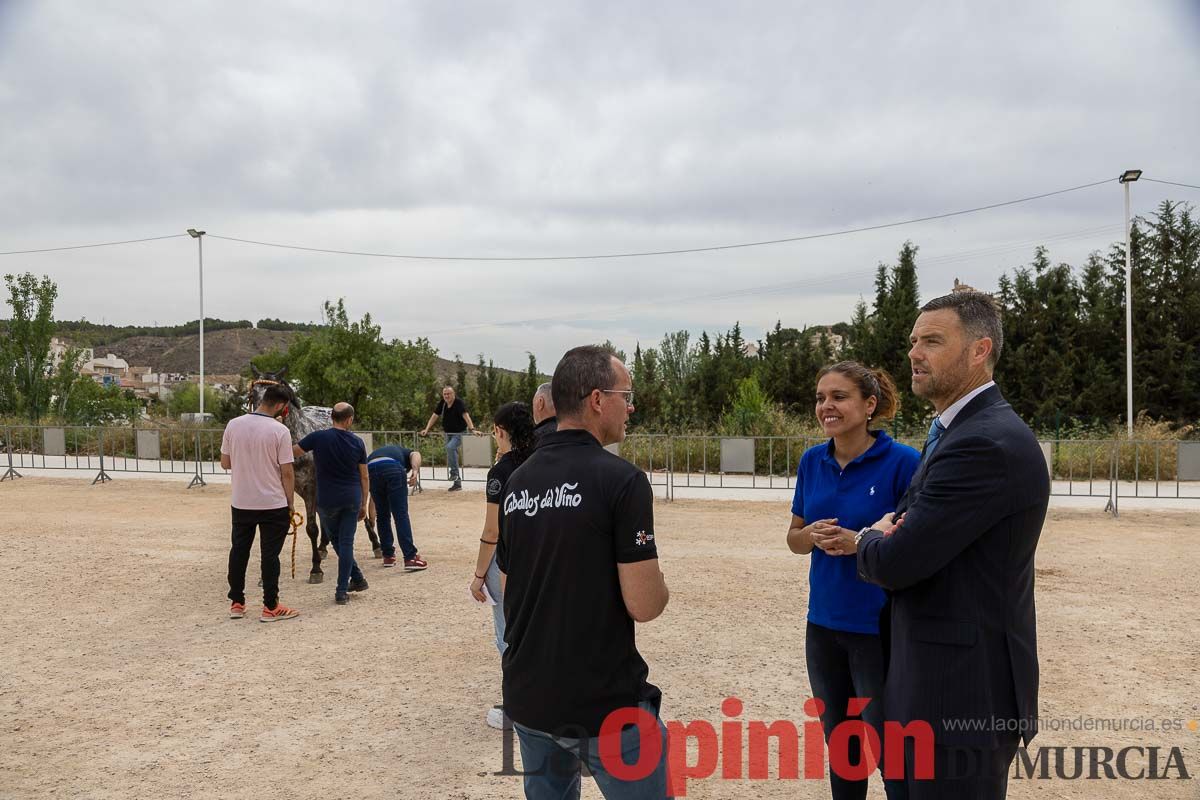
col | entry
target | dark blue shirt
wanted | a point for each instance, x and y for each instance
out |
(401, 455)
(337, 454)
(869, 487)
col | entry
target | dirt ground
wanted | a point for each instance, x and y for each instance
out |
(122, 677)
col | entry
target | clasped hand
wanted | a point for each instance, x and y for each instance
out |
(831, 538)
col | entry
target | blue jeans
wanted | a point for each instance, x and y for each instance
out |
(842, 665)
(491, 579)
(341, 523)
(551, 764)
(453, 442)
(389, 490)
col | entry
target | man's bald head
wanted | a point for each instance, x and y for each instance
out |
(342, 414)
(543, 403)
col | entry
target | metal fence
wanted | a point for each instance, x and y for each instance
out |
(698, 465)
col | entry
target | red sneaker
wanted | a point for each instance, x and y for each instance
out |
(415, 563)
(389, 561)
(280, 611)
(237, 610)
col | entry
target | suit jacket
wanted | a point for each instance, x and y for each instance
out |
(963, 638)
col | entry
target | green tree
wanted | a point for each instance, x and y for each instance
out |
(386, 382)
(186, 400)
(788, 362)
(93, 404)
(530, 380)
(27, 345)
(649, 386)
(66, 379)
(748, 409)
(1099, 387)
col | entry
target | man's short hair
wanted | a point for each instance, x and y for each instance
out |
(979, 315)
(275, 394)
(545, 392)
(580, 371)
(341, 413)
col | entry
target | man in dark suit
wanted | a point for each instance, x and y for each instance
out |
(958, 561)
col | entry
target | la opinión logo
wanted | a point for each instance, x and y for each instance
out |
(742, 748)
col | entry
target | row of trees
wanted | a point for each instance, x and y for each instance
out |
(1063, 361)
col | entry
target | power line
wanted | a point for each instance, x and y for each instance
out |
(85, 246)
(714, 248)
(947, 258)
(1172, 183)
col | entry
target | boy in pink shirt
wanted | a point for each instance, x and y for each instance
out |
(257, 449)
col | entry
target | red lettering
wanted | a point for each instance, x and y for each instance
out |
(760, 749)
(731, 740)
(649, 747)
(894, 735)
(678, 770)
(839, 750)
(814, 740)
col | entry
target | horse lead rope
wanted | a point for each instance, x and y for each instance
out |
(297, 521)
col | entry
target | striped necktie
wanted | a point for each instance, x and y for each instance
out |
(936, 429)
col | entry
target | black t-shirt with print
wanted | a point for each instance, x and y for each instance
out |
(571, 513)
(498, 476)
(452, 415)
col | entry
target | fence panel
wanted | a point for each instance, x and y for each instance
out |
(1100, 468)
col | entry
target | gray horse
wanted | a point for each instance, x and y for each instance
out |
(301, 421)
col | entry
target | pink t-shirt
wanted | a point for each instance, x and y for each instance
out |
(256, 446)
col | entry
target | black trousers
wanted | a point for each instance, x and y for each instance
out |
(963, 773)
(842, 665)
(274, 524)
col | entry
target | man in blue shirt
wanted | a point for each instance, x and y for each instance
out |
(342, 491)
(392, 469)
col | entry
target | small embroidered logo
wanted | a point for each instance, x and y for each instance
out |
(872, 491)
(641, 537)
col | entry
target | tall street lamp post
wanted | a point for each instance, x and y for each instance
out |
(198, 236)
(1128, 177)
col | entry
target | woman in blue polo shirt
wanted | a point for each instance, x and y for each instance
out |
(844, 485)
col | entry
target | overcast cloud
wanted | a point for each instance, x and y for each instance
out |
(521, 128)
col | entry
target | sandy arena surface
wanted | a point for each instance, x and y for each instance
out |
(122, 677)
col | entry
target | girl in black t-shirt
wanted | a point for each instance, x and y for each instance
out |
(513, 431)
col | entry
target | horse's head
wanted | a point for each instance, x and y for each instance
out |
(264, 379)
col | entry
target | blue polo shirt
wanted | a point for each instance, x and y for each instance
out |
(337, 454)
(857, 496)
(401, 456)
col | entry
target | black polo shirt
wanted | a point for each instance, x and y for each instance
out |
(571, 513)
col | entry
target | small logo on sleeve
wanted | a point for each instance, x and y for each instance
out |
(494, 486)
(642, 538)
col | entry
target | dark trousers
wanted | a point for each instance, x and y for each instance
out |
(843, 665)
(963, 773)
(389, 490)
(341, 524)
(274, 524)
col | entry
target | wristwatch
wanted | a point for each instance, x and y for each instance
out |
(858, 536)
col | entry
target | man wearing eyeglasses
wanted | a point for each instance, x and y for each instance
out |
(580, 565)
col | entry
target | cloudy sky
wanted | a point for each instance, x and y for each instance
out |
(572, 128)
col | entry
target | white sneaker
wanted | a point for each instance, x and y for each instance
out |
(496, 718)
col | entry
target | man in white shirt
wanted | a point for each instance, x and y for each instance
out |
(257, 449)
